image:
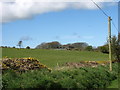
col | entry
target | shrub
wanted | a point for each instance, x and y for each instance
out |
(104, 49)
(89, 48)
(27, 47)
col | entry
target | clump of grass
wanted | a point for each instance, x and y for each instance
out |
(114, 84)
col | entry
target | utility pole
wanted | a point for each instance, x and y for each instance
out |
(109, 34)
(109, 41)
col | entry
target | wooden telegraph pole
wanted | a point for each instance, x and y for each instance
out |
(109, 34)
(109, 41)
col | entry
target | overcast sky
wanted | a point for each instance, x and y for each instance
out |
(35, 22)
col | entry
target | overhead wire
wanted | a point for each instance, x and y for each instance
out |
(105, 14)
(100, 8)
(115, 26)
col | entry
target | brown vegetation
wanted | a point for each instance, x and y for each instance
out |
(22, 64)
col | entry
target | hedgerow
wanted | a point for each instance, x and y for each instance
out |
(85, 78)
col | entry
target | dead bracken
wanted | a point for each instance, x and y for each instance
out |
(81, 64)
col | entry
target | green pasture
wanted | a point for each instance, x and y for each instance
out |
(52, 57)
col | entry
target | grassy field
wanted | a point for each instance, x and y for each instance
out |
(52, 57)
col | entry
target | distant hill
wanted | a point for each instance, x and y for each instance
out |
(57, 45)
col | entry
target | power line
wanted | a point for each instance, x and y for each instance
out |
(100, 8)
(115, 26)
(105, 14)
